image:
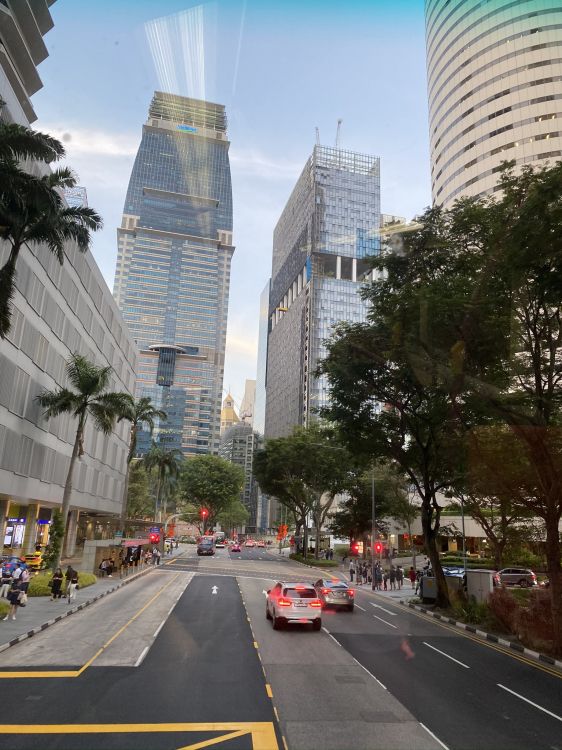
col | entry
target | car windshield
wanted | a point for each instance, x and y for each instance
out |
(298, 593)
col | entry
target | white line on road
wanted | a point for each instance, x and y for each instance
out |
(447, 655)
(388, 612)
(139, 661)
(369, 673)
(361, 608)
(331, 636)
(386, 622)
(536, 705)
(443, 745)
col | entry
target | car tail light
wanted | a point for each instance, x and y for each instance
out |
(282, 602)
(300, 588)
(325, 591)
(315, 603)
(351, 592)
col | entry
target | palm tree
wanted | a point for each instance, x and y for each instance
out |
(89, 398)
(140, 412)
(167, 464)
(32, 210)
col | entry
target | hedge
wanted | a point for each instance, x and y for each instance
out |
(312, 561)
(38, 584)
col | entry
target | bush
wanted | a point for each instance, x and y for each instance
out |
(471, 611)
(504, 608)
(4, 607)
(312, 561)
(523, 558)
(38, 585)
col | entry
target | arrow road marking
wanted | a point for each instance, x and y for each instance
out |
(215, 590)
(378, 606)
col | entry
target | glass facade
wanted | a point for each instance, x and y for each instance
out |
(239, 445)
(329, 226)
(173, 267)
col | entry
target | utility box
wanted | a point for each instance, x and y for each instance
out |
(428, 589)
(479, 584)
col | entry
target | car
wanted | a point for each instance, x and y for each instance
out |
(293, 603)
(219, 543)
(261, 544)
(35, 561)
(206, 546)
(235, 547)
(518, 577)
(333, 592)
(10, 561)
(249, 543)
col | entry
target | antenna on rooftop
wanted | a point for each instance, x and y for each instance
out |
(317, 136)
(338, 129)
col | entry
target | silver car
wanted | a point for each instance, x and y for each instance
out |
(518, 577)
(293, 603)
(333, 592)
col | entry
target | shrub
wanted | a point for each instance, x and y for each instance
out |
(39, 584)
(504, 608)
(4, 607)
(534, 622)
(312, 561)
(471, 611)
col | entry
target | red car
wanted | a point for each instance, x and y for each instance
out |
(235, 547)
(261, 543)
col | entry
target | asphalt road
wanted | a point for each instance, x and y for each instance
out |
(200, 680)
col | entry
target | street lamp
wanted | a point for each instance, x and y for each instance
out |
(373, 528)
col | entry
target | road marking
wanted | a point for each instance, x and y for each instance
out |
(447, 655)
(369, 673)
(159, 628)
(268, 690)
(262, 733)
(536, 705)
(388, 612)
(255, 644)
(386, 622)
(331, 636)
(140, 660)
(215, 590)
(361, 608)
(443, 745)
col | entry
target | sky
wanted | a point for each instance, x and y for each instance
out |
(281, 68)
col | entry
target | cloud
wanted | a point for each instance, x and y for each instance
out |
(257, 164)
(79, 141)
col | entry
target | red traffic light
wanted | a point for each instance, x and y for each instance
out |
(204, 512)
(154, 538)
(354, 548)
(378, 548)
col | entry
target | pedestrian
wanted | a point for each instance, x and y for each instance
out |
(17, 572)
(392, 578)
(351, 570)
(72, 586)
(418, 581)
(378, 577)
(24, 580)
(177, 544)
(158, 556)
(385, 580)
(399, 576)
(68, 576)
(103, 567)
(5, 581)
(56, 585)
(15, 595)
(412, 576)
(110, 566)
(365, 573)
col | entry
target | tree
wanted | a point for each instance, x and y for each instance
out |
(140, 413)
(140, 504)
(233, 516)
(88, 399)
(32, 210)
(56, 536)
(211, 483)
(167, 465)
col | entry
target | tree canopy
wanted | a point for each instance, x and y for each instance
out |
(212, 483)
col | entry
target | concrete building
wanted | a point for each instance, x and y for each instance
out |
(229, 417)
(238, 445)
(327, 229)
(495, 90)
(57, 310)
(173, 267)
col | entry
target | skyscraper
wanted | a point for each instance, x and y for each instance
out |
(327, 229)
(495, 90)
(173, 267)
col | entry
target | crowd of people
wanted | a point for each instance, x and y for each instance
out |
(386, 579)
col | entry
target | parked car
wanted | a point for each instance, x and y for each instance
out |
(293, 603)
(517, 577)
(35, 561)
(333, 592)
(206, 546)
(10, 562)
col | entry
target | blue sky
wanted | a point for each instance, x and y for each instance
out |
(281, 69)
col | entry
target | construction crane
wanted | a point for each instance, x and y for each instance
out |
(338, 129)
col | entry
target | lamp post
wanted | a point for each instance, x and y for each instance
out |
(373, 528)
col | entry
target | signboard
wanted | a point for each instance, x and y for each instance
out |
(154, 529)
(187, 128)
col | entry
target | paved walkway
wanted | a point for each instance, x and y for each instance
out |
(41, 612)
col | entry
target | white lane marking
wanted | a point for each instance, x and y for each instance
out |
(536, 705)
(386, 622)
(443, 745)
(139, 661)
(215, 590)
(388, 612)
(159, 628)
(447, 655)
(369, 673)
(264, 592)
(331, 636)
(361, 608)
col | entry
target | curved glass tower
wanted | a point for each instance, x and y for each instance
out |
(494, 73)
(173, 267)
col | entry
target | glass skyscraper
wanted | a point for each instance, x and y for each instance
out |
(330, 224)
(173, 267)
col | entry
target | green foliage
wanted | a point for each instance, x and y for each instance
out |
(39, 584)
(471, 611)
(312, 561)
(140, 504)
(233, 516)
(166, 465)
(212, 483)
(4, 608)
(140, 413)
(56, 535)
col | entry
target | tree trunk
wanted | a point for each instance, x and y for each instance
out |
(318, 525)
(68, 489)
(553, 551)
(132, 445)
(430, 541)
(305, 536)
(157, 501)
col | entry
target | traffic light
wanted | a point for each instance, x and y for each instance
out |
(154, 538)
(204, 513)
(378, 547)
(355, 548)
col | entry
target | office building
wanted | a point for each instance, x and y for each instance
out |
(248, 402)
(238, 445)
(173, 267)
(495, 91)
(229, 416)
(327, 229)
(57, 310)
(76, 197)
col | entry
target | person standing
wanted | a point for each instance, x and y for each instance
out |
(56, 585)
(24, 580)
(14, 598)
(68, 576)
(365, 573)
(17, 572)
(5, 581)
(351, 570)
(392, 578)
(412, 576)
(378, 577)
(399, 577)
(385, 580)
(73, 585)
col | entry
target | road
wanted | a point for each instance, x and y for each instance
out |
(186, 655)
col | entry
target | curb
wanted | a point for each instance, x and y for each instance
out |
(487, 636)
(82, 605)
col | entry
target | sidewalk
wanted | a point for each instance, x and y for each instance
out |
(40, 612)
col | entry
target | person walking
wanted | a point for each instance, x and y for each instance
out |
(5, 581)
(14, 599)
(399, 576)
(412, 576)
(418, 581)
(17, 572)
(68, 576)
(72, 585)
(392, 578)
(24, 580)
(56, 585)
(365, 573)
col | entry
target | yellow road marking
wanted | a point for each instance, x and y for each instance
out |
(255, 644)
(78, 672)
(268, 690)
(263, 733)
